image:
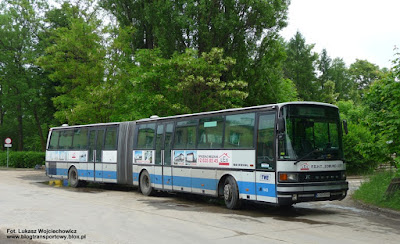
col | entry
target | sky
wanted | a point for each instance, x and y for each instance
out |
(348, 29)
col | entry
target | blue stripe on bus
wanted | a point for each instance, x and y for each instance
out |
(246, 187)
(249, 188)
(267, 190)
(85, 173)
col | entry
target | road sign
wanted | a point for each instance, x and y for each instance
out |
(7, 144)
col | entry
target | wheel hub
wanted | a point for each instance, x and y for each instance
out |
(227, 192)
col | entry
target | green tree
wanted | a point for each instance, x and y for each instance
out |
(383, 101)
(363, 74)
(267, 83)
(186, 83)
(340, 75)
(75, 61)
(364, 148)
(324, 67)
(243, 29)
(25, 93)
(299, 67)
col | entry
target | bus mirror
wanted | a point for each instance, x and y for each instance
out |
(346, 130)
(281, 125)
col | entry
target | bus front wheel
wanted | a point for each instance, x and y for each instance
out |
(145, 183)
(231, 193)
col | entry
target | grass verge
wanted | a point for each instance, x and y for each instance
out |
(373, 191)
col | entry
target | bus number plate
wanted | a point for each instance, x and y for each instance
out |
(323, 194)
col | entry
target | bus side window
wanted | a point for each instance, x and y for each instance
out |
(55, 135)
(65, 141)
(239, 130)
(80, 139)
(146, 135)
(210, 132)
(111, 139)
(185, 134)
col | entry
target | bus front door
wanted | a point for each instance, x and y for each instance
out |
(266, 161)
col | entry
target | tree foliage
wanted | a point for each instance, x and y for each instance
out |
(299, 67)
(24, 88)
(65, 64)
(75, 63)
(383, 100)
(186, 83)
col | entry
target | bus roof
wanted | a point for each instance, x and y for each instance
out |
(272, 106)
(88, 125)
(154, 117)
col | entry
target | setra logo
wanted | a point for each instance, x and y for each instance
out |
(305, 166)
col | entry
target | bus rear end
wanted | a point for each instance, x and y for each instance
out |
(310, 164)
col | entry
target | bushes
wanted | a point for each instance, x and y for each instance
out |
(363, 150)
(373, 191)
(22, 159)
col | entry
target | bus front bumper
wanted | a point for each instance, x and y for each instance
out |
(292, 193)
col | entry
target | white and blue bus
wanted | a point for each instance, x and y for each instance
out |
(280, 154)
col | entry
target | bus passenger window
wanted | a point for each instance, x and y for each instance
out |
(185, 134)
(80, 139)
(210, 132)
(145, 139)
(54, 139)
(111, 139)
(239, 130)
(66, 139)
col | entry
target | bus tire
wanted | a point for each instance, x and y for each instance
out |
(73, 180)
(231, 194)
(145, 183)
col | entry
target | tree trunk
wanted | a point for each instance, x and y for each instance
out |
(20, 128)
(39, 127)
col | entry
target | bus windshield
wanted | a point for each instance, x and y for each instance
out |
(312, 133)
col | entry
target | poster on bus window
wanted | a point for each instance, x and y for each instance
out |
(206, 158)
(143, 157)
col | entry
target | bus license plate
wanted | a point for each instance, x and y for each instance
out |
(323, 194)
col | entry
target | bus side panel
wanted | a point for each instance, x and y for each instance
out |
(109, 166)
(181, 180)
(110, 172)
(137, 169)
(266, 187)
(167, 177)
(204, 181)
(244, 180)
(135, 174)
(156, 178)
(247, 185)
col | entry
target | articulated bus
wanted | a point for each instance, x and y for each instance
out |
(280, 154)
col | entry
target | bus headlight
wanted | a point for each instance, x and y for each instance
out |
(288, 177)
(343, 175)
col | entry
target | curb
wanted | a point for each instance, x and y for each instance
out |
(386, 211)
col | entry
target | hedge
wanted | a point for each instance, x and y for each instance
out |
(22, 159)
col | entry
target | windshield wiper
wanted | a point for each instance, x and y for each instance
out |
(308, 154)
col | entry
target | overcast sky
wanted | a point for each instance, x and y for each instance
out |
(348, 29)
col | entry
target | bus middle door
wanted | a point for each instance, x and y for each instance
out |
(96, 142)
(163, 172)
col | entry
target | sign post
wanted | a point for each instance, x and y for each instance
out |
(7, 144)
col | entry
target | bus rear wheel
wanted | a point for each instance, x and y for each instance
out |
(145, 183)
(231, 193)
(73, 180)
